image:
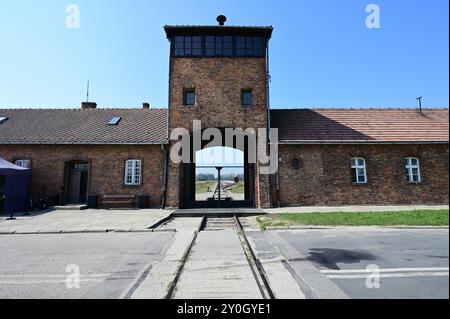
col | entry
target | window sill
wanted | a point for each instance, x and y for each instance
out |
(132, 186)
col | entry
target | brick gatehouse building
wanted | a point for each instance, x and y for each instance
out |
(219, 75)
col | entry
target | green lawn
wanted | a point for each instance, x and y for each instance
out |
(202, 187)
(406, 218)
(238, 188)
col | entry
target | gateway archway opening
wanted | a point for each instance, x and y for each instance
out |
(220, 175)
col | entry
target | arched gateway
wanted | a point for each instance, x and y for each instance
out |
(217, 176)
(219, 76)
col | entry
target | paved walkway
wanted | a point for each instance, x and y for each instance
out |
(157, 283)
(365, 208)
(83, 220)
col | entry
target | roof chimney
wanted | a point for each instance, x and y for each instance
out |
(88, 105)
(221, 19)
(145, 105)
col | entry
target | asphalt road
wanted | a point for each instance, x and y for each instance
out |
(329, 263)
(46, 266)
(411, 263)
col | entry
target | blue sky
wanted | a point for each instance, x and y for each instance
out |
(219, 156)
(232, 161)
(322, 54)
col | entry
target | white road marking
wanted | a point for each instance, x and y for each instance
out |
(421, 269)
(43, 281)
(397, 275)
(30, 279)
(387, 273)
(50, 275)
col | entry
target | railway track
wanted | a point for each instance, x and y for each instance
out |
(224, 224)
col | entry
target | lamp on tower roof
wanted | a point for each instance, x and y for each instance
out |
(221, 19)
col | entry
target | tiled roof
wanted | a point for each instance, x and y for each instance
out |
(149, 126)
(83, 126)
(361, 125)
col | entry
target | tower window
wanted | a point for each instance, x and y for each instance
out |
(219, 46)
(196, 45)
(227, 45)
(240, 46)
(189, 97)
(249, 46)
(211, 45)
(179, 45)
(258, 46)
(188, 46)
(246, 97)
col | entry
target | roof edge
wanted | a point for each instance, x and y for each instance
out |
(80, 109)
(84, 143)
(353, 142)
(437, 108)
(170, 29)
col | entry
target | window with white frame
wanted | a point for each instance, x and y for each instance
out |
(413, 170)
(23, 163)
(133, 172)
(359, 171)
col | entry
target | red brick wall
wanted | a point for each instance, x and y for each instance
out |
(107, 167)
(324, 176)
(218, 83)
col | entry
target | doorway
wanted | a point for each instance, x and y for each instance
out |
(2, 194)
(77, 182)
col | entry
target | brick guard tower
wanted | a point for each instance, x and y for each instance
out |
(219, 75)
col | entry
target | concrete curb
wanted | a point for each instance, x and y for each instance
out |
(172, 285)
(68, 232)
(280, 279)
(352, 209)
(161, 222)
(306, 227)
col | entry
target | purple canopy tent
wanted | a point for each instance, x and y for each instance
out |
(15, 180)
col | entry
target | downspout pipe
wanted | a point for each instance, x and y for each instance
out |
(278, 181)
(166, 164)
(268, 90)
(165, 148)
(269, 120)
